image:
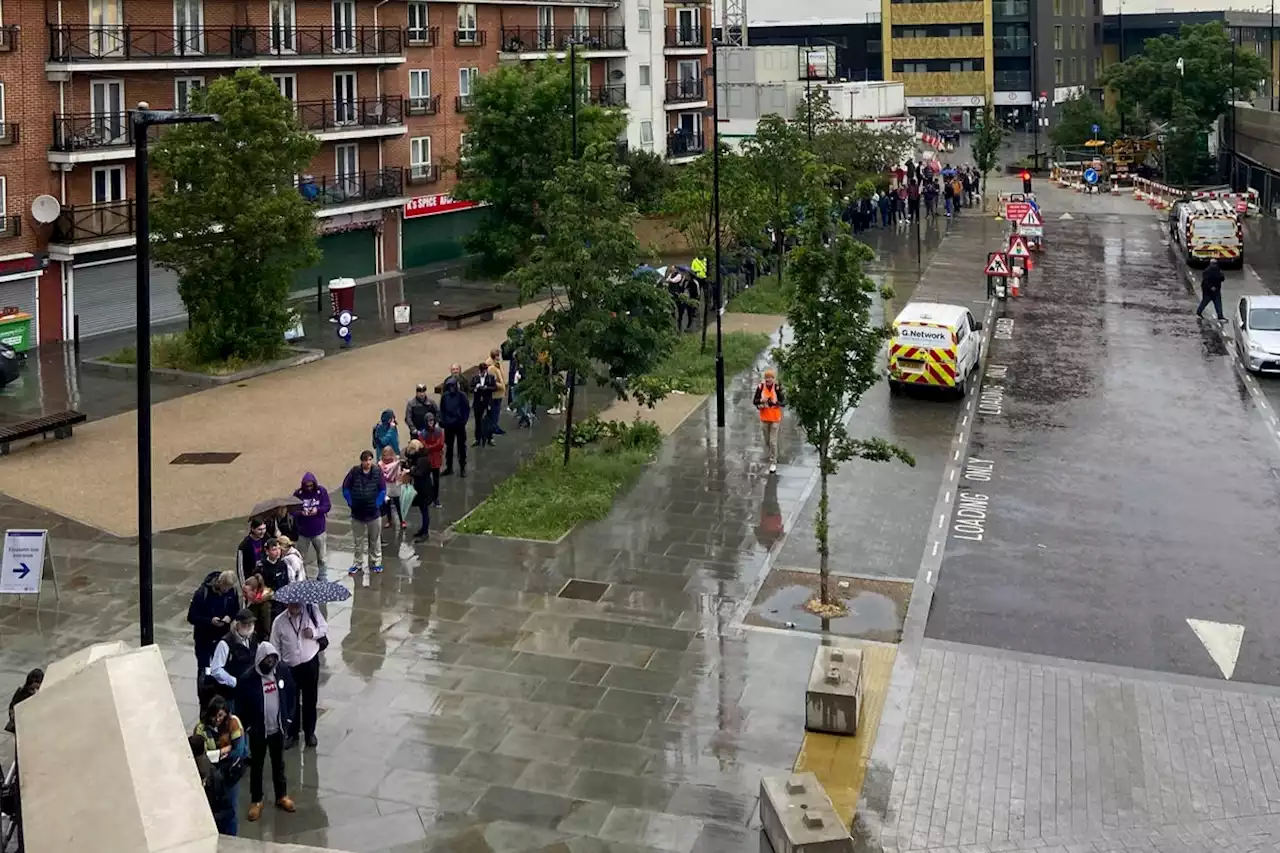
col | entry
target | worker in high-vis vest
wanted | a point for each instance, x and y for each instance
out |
(769, 401)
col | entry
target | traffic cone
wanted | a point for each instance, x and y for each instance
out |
(1015, 289)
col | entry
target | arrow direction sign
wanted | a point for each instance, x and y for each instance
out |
(22, 561)
(1222, 642)
(23, 570)
(1066, 216)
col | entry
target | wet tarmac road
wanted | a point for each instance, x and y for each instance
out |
(1127, 480)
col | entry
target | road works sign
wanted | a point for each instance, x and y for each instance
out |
(1018, 247)
(1014, 211)
(997, 264)
(1031, 218)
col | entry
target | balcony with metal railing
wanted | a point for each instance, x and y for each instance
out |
(221, 46)
(8, 38)
(421, 174)
(1005, 9)
(10, 226)
(426, 105)
(422, 36)
(380, 116)
(462, 103)
(8, 133)
(685, 91)
(682, 37)
(1011, 45)
(91, 131)
(327, 191)
(682, 143)
(541, 40)
(84, 223)
(613, 95)
(470, 38)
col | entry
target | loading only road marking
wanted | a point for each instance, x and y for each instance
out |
(991, 400)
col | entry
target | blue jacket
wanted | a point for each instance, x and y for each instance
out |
(455, 408)
(364, 492)
(205, 605)
(386, 434)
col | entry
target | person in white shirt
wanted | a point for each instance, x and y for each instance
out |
(300, 634)
(292, 559)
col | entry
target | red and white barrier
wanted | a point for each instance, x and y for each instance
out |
(1162, 196)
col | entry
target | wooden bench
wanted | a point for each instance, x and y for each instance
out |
(453, 319)
(60, 425)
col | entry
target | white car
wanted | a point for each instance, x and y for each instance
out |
(1257, 333)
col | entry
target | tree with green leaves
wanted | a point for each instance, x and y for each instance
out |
(781, 164)
(833, 358)
(649, 178)
(519, 132)
(1076, 119)
(689, 202)
(229, 220)
(986, 147)
(603, 321)
(855, 151)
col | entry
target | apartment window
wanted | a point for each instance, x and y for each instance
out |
(961, 65)
(108, 184)
(420, 157)
(689, 73)
(1057, 38)
(644, 21)
(4, 204)
(646, 135)
(1074, 70)
(419, 33)
(1073, 36)
(188, 26)
(645, 81)
(467, 22)
(1057, 71)
(466, 83)
(106, 99)
(1080, 9)
(915, 67)
(1097, 67)
(347, 168)
(183, 90)
(462, 148)
(344, 97)
(688, 24)
(287, 84)
(1057, 8)
(546, 27)
(581, 23)
(4, 130)
(284, 26)
(419, 90)
(344, 26)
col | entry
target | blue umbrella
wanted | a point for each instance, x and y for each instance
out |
(312, 592)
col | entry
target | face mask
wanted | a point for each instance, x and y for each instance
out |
(265, 667)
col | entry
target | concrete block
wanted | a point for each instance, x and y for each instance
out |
(232, 844)
(833, 699)
(797, 816)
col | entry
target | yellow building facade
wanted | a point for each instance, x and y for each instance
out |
(942, 53)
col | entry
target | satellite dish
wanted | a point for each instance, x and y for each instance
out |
(45, 208)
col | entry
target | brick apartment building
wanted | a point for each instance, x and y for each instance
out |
(384, 84)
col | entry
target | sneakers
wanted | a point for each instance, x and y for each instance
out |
(447, 472)
(285, 804)
(312, 743)
(437, 505)
(376, 568)
(773, 469)
(462, 473)
(255, 811)
(354, 570)
(404, 525)
(557, 410)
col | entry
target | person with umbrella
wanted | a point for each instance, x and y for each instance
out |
(300, 633)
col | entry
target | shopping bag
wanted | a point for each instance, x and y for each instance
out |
(407, 494)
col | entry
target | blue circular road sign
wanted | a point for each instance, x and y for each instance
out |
(1090, 176)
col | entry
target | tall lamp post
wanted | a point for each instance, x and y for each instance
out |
(1120, 103)
(143, 118)
(715, 216)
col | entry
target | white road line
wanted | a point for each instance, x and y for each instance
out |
(953, 473)
(955, 456)
(947, 497)
(928, 578)
(942, 519)
(935, 549)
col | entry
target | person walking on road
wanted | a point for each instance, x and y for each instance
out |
(364, 491)
(297, 633)
(251, 551)
(455, 410)
(1211, 289)
(311, 522)
(213, 606)
(483, 391)
(769, 400)
(265, 699)
(415, 411)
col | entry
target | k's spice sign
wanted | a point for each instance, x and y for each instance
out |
(431, 205)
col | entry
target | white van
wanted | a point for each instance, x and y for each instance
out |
(934, 344)
(1205, 230)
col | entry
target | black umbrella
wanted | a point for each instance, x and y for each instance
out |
(270, 505)
(312, 592)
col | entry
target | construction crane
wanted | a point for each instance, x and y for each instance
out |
(733, 23)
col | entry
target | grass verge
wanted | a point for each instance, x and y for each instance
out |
(172, 352)
(693, 371)
(545, 500)
(766, 296)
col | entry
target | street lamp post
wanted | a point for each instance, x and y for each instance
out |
(143, 119)
(571, 376)
(1119, 102)
(715, 193)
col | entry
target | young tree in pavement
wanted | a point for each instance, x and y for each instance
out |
(518, 134)
(1076, 119)
(603, 322)
(780, 163)
(986, 147)
(229, 220)
(831, 360)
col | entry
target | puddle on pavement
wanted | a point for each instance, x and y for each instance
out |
(875, 608)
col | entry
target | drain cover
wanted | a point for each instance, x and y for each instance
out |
(204, 458)
(580, 590)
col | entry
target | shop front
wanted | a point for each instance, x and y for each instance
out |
(347, 250)
(948, 112)
(104, 294)
(434, 228)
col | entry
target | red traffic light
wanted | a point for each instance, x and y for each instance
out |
(1026, 176)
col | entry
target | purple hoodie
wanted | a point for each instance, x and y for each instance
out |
(315, 506)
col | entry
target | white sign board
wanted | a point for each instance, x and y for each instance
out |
(947, 101)
(23, 564)
(1031, 230)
